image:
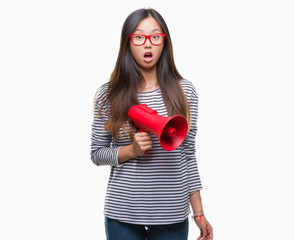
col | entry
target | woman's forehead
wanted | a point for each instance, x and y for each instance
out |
(148, 25)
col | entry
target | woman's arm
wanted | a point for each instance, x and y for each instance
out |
(204, 226)
(189, 145)
(196, 203)
(102, 153)
(194, 179)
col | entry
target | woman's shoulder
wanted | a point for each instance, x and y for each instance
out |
(188, 88)
(102, 91)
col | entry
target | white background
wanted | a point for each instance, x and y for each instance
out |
(55, 54)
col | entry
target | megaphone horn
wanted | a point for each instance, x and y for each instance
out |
(170, 131)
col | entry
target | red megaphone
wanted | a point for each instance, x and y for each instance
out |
(170, 131)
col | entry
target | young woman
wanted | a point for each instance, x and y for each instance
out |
(148, 195)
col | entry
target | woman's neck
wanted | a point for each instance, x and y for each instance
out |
(150, 78)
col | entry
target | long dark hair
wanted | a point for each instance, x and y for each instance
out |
(126, 77)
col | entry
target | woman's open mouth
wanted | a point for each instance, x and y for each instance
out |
(148, 57)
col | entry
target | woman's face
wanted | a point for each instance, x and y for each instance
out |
(147, 55)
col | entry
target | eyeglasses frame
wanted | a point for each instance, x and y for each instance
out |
(147, 37)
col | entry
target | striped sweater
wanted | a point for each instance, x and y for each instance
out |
(152, 189)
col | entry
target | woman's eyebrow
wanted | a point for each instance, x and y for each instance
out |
(138, 30)
(154, 30)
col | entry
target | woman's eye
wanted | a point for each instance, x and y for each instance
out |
(155, 36)
(138, 37)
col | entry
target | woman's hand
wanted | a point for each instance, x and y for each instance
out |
(141, 143)
(206, 232)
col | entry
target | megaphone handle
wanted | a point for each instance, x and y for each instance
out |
(146, 152)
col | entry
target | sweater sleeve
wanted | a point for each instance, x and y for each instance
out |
(102, 151)
(189, 146)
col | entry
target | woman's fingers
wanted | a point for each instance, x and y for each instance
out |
(204, 232)
(142, 143)
(146, 144)
(209, 232)
(142, 135)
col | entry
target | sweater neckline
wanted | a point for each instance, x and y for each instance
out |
(149, 91)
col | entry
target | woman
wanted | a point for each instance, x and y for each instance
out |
(148, 195)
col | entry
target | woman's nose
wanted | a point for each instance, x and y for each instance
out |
(148, 43)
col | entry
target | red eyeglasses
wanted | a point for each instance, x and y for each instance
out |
(140, 39)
